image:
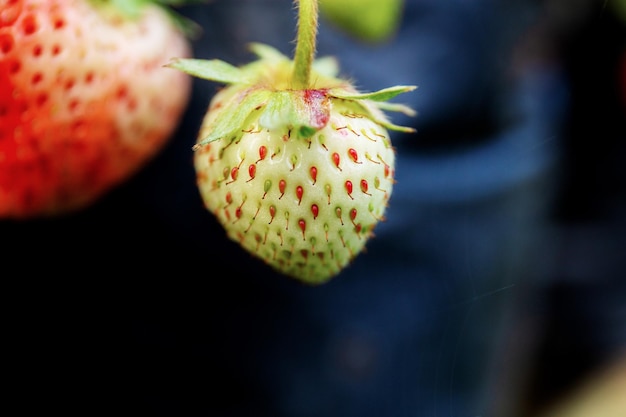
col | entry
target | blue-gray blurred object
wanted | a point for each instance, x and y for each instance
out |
(180, 321)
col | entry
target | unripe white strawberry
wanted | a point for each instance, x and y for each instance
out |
(299, 177)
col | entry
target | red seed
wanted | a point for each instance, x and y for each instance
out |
(364, 186)
(302, 225)
(315, 210)
(262, 153)
(313, 172)
(349, 188)
(272, 213)
(299, 193)
(353, 154)
(336, 160)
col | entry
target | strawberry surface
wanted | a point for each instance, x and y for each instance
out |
(305, 205)
(85, 101)
(299, 177)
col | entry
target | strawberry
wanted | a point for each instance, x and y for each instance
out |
(294, 162)
(85, 101)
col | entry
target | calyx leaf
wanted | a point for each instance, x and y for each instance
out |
(266, 87)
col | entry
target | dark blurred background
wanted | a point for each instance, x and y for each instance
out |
(497, 284)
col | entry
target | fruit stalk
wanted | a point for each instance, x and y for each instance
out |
(305, 42)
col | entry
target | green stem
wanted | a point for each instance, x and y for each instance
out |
(305, 43)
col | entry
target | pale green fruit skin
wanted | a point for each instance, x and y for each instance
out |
(292, 237)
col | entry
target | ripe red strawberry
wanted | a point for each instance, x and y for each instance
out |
(84, 99)
(298, 172)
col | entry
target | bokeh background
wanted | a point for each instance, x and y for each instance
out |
(496, 286)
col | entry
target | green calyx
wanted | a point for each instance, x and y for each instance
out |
(293, 94)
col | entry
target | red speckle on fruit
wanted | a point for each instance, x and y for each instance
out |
(262, 153)
(6, 43)
(354, 155)
(59, 23)
(14, 66)
(315, 211)
(29, 25)
(336, 160)
(233, 175)
(357, 229)
(69, 84)
(239, 211)
(216, 105)
(41, 99)
(302, 226)
(317, 104)
(348, 185)
(364, 187)
(338, 214)
(353, 214)
(73, 105)
(37, 78)
(387, 171)
(299, 193)
(37, 50)
(272, 210)
(120, 94)
(229, 199)
(313, 173)
(304, 253)
(281, 187)
(252, 171)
